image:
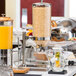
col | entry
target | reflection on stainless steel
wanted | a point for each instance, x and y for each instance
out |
(23, 47)
(3, 57)
(24, 17)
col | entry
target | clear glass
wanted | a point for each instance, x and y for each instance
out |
(6, 39)
(57, 62)
(6, 34)
(41, 22)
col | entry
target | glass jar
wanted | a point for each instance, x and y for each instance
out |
(6, 33)
(6, 38)
(57, 61)
(41, 14)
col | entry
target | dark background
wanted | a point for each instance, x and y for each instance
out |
(2, 7)
(57, 7)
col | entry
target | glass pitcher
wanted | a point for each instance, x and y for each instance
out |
(57, 61)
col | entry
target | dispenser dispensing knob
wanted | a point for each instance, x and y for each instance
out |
(71, 63)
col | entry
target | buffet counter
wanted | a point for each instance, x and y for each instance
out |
(71, 70)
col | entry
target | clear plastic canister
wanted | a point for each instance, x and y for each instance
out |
(41, 22)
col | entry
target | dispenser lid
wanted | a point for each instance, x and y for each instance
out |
(41, 4)
(5, 19)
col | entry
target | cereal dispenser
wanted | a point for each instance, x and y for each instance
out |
(41, 22)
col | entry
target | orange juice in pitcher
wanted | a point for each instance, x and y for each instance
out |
(6, 37)
(6, 33)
